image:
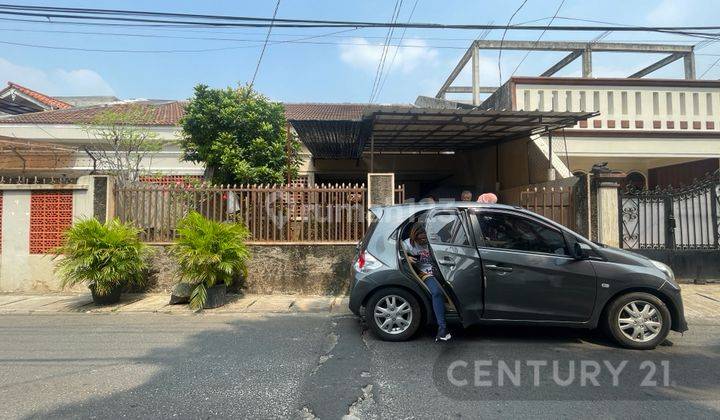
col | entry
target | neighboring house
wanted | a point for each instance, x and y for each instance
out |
(17, 99)
(78, 101)
(659, 131)
(434, 150)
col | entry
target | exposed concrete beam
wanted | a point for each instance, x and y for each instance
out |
(657, 65)
(562, 63)
(689, 61)
(469, 89)
(475, 76)
(456, 71)
(587, 62)
(572, 46)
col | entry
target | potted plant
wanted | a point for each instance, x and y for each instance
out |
(105, 256)
(210, 256)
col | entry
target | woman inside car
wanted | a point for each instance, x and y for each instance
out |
(419, 255)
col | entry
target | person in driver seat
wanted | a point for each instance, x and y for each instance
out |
(419, 255)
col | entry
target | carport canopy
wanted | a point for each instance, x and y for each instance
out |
(403, 129)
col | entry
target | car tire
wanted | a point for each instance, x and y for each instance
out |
(638, 321)
(395, 302)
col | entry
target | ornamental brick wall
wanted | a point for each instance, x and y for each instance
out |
(51, 214)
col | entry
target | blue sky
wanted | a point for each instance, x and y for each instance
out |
(341, 67)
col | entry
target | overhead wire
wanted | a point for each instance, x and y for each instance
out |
(502, 40)
(402, 37)
(262, 51)
(383, 54)
(562, 2)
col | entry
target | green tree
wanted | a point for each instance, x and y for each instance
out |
(240, 136)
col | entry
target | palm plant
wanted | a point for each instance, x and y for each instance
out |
(209, 253)
(105, 256)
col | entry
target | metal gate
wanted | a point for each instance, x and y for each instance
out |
(671, 218)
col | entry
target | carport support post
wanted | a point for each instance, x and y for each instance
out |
(608, 203)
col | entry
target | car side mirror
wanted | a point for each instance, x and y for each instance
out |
(582, 251)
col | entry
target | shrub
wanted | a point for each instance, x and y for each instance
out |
(209, 253)
(102, 255)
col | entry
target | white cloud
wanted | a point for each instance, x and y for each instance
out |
(58, 81)
(366, 55)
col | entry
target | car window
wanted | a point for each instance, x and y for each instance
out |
(447, 228)
(508, 231)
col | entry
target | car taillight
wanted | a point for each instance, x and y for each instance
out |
(361, 260)
(366, 262)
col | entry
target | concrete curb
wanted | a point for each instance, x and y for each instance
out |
(701, 302)
(158, 303)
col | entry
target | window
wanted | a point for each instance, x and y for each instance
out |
(508, 231)
(610, 103)
(541, 101)
(696, 104)
(526, 100)
(447, 228)
(624, 102)
(583, 104)
(668, 103)
(596, 101)
(554, 106)
(656, 103)
(568, 101)
(682, 103)
(708, 103)
(638, 103)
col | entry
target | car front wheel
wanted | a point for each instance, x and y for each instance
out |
(638, 321)
(393, 314)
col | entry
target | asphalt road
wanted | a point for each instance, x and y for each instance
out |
(295, 366)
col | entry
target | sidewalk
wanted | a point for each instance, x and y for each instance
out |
(701, 301)
(158, 303)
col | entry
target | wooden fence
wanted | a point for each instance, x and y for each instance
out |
(555, 203)
(272, 213)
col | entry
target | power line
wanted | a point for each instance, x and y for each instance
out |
(246, 21)
(383, 54)
(392, 62)
(262, 52)
(503, 40)
(710, 68)
(538, 38)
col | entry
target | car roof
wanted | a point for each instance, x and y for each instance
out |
(415, 207)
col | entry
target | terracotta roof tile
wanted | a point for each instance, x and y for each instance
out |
(47, 100)
(170, 113)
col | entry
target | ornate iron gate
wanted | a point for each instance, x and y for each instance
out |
(672, 218)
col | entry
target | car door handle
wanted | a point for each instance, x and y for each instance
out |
(447, 261)
(499, 268)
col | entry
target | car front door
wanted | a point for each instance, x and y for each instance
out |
(529, 273)
(457, 260)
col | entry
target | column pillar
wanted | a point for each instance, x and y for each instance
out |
(608, 207)
(475, 76)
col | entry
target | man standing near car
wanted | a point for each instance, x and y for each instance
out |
(419, 255)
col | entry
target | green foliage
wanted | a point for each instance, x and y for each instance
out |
(102, 255)
(240, 135)
(209, 253)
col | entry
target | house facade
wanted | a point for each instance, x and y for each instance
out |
(659, 131)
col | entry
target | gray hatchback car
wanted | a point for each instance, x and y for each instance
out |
(501, 264)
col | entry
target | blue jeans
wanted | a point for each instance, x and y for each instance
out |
(438, 301)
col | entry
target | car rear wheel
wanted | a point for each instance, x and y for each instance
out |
(638, 321)
(393, 314)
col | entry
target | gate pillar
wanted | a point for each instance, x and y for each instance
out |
(608, 207)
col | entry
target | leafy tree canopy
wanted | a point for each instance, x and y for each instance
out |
(240, 135)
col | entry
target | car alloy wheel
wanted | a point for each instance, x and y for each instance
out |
(640, 321)
(393, 314)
